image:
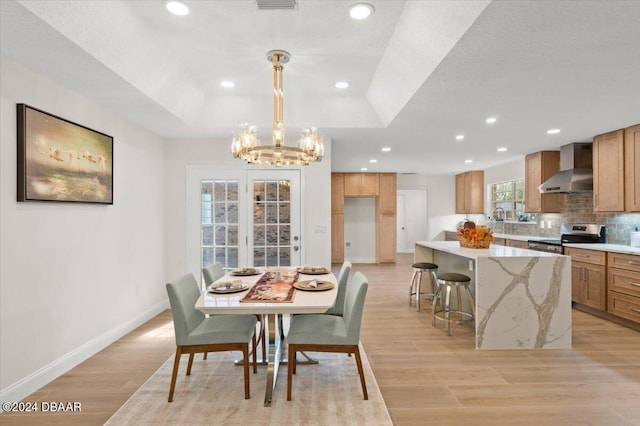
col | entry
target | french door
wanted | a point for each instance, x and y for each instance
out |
(242, 217)
(274, 222)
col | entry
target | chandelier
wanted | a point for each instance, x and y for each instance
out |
(246, 145)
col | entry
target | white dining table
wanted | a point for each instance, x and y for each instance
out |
(304, 302)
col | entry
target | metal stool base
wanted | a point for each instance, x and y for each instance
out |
(415, 292)
(444, 313)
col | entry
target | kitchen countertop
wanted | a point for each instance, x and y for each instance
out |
(614, 248)
(518, 237)
(453, 247)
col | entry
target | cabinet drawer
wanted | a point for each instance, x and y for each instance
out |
(500, 242)
(624, 306)
(588, 256)
(517, 244)
(624, 261)
(627, 282)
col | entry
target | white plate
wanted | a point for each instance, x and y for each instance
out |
(220, 289)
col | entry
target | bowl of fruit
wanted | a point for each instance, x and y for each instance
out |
(471, 235)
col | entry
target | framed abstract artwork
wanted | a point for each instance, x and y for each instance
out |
(59, 160)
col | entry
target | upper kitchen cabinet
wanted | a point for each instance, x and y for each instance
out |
(539, 167)
(470, 192)
(632, 166)
(608, 172)
(361, 185)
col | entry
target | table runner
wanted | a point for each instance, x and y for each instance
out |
(267, 289)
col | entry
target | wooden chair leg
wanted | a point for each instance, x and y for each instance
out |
(245, 365)
(361, 372)
(290, 368)
(176, 364)
(191, 355)
(255, 355)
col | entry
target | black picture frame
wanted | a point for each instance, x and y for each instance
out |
(59, 160)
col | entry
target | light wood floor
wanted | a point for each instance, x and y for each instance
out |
(425, 377)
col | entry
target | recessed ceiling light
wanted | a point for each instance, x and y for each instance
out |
(501, 149)
(459, 137)
(386, 149)
(227, 84)
(468, 161)
(553, 131)
(373, 160)
(364, 169)
(491, 120)
(176, 7)
(360, 10)
(342, 85)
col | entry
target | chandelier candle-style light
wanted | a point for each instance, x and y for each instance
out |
(246, 144)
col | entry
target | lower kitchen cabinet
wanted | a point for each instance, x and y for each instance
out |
(623, 279)
(588, 277)
(517, 243)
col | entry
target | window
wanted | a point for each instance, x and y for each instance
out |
(508, 196)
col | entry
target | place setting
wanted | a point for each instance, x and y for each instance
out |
(245, 272)
(314, 270)
(313, 285)
(223, 287)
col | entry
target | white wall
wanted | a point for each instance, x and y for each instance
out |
(441, 201)
(508, 171)
(360, 229)
(315, 199)
(75, 277)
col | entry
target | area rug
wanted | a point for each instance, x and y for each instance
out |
(328, 393)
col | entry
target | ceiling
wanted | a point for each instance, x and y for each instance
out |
(420, 72)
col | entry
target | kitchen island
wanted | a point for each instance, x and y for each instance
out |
(522, 297)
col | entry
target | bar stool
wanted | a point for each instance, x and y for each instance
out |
(446, 282)
(416, 281)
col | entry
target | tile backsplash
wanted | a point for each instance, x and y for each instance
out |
(575, 208)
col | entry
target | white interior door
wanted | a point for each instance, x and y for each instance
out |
(416, 218)
(273, 230)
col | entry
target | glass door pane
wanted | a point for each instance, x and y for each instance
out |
(219, 240)
(274, 233)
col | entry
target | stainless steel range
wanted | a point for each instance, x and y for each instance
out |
(585, 233)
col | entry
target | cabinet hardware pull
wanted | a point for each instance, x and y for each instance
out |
(635, 310)
(631, 262)
(635, 284)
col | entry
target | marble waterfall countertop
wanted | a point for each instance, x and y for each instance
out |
(522, 297)
(453, 247)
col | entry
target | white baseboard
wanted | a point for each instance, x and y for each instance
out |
(34, 381)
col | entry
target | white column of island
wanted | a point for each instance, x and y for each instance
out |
(522, 297)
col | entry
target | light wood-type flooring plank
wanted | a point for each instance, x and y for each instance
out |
(425, 377)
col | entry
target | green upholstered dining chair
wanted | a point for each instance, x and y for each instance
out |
(212, 272)
(330, 333)
(343, 279)
(196, 333)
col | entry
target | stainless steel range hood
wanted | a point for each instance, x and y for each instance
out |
(576, 173)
